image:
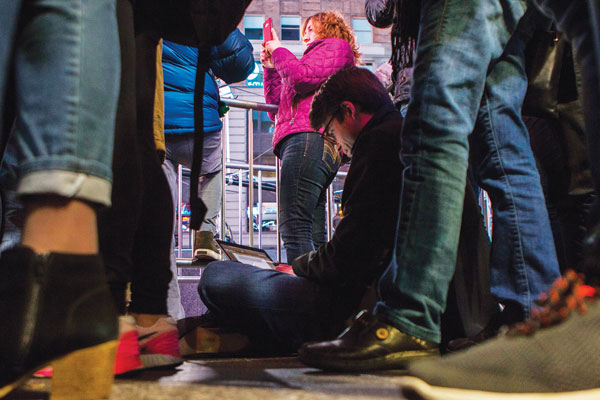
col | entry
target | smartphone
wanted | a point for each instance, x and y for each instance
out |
(267, 35)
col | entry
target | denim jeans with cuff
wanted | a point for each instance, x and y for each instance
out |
(66, 72)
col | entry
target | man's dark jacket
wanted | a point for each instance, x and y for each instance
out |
(363, 241)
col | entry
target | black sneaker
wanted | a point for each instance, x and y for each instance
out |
(511, 314)
(368, 344)
(460, 344)
(552, 355)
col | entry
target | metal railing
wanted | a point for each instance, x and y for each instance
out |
(243, 169)
(249, 169)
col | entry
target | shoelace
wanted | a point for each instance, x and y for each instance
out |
(568, 293)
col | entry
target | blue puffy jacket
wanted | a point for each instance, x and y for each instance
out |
(232, 61)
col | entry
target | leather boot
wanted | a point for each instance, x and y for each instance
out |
(56, 308)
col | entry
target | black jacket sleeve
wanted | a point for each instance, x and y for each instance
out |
(380, 13)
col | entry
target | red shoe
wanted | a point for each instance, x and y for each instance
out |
(43, 373)
(159, 344)
(128, 352)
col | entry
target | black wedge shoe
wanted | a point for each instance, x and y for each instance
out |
(56, 308)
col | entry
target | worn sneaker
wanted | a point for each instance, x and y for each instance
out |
(159, 347)
(368, 344)
(205, 335)
(205, 247)
(552, 355)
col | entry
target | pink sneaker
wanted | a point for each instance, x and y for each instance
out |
(128, 353)
(159, 344)
(43, 373)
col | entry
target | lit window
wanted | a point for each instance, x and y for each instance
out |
(362, 30)
(290, 28)
(253, 26)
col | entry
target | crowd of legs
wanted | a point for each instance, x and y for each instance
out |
(87, 267)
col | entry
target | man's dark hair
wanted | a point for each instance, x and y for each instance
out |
(354, 84)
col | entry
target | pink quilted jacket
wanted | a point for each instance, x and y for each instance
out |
(293, 83)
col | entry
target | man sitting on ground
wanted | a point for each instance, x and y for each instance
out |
(279, 311)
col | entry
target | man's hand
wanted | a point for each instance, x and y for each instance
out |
(285, 268)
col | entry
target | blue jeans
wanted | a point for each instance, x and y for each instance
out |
(523, 261)
(278, 310)
(308, 166)
(66, 66)
(460, 74)
(580, 21)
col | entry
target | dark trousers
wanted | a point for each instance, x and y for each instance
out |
(278, 311)
(568, 199)
(135, 233)
(580, 22)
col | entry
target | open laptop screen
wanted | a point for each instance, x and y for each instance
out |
(247, 255)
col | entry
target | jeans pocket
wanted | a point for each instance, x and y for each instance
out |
(331, 157)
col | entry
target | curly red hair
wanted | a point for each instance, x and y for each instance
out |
(329, 24)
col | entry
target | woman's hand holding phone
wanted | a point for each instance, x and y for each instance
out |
(271, 45)
(272, 42)
(265, 58)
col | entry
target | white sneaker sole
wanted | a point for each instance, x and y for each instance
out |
(206, 254)
(411, 385)
(159, 361)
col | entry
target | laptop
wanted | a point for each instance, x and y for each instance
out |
(246, 255)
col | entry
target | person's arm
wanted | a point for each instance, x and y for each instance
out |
(232, 61)
(380, 13)
(308, 73)
(272, 83)
(272, 88)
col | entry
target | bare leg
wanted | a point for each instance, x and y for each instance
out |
(58, 225)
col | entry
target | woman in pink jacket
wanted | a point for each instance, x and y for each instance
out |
(308, 161)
